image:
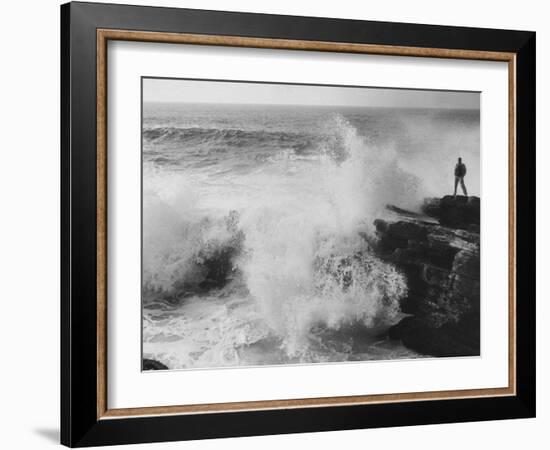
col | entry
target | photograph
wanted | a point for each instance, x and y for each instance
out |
(299, 224)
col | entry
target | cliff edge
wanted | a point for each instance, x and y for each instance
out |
(438, 252)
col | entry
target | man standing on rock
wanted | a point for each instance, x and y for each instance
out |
(460, 173)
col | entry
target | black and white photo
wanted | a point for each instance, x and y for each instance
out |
(299, 224)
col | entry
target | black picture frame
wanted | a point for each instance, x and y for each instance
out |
(80, 425)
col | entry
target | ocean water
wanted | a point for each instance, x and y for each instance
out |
(257, 222)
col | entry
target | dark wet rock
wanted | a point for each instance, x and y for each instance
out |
(151, 364)
(447, 340)
(403, 212)
(211, 268)
(456, 212)
(441, 264)
(218, 266)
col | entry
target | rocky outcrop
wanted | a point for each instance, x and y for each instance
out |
(211, 267)
(151, 364)
(456, 212)
(441, 264)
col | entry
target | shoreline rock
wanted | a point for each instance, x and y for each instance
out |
(455, 212)
(152, 364)
(210, 268)
(441, 264)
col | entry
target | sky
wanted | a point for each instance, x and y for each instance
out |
(231, 92)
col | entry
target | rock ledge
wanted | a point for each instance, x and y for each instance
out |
(441, 262)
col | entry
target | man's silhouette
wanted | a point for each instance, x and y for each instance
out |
(460, 173)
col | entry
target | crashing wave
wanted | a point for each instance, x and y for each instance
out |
(296, 253)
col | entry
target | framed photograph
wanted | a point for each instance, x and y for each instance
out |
(278, 224)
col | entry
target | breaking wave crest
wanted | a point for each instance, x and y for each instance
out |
(229, 137)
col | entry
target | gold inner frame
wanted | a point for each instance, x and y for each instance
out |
(104, 35)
